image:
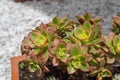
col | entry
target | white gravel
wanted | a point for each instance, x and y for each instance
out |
(17, 19)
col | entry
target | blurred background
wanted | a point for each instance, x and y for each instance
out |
(17, 19)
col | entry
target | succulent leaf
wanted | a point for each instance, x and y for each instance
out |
(70, 69)
(105, 73)
(116, 24)
(75, 51)
(87, 16)
(81, 34)
(110, 59)
(38, 39)
(56, 20)
(87, 26)
(79, 62)
(94, 73)
(55, 61)
(94, 63)
(61, 52)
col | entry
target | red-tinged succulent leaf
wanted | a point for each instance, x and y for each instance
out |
(84, 67)
(101, 61)
(87, 16)
(56, 20)
(96, 41)
(98, 19)
(88, 56)
(94, 73)
(38, 51)
(39, 40)
(60, 23)
(64, 19)
(80, 62)
(110, 59)
(87, 26)
(75, 62)
(43, 58)
(73, 39)
(70, 69)
(111, 35)
(55, 61)
(32, 56)
(75, 50)
(61, 52)
(53, 46)
(116, 24)
(94, 63)
(105, 73)
(46, 69)
(109, 44)
(95, 32)
(26, 45)
(84, 49)
(81, 34)
(42, 27)
(93, 50)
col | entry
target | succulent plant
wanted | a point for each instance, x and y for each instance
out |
(86, 32)
(116, 24)
(113, 43)
(101, 73)
(77, 60)
(72, 46)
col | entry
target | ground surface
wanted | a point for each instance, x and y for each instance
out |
(17, 19)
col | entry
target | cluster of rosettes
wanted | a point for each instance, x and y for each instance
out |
(73, 46)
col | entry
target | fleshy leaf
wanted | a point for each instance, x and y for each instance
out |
(95, 31)
(84, 67)
(97, 19)
(74, 51)
(81, 34)
(71, 69)
(87, 16)
(110, 59)
(87, 26)
(55, 62)
(38, 39)
(61, 52)
(106, 73)
(101, 61)
(56, 20)
(84, 50)
(79, 62)
(116, 40)
(94, 73)
(94, 63)
(109, 44)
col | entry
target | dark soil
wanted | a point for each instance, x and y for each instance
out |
(59, 74)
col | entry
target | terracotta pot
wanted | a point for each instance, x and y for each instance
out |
(15, 66)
